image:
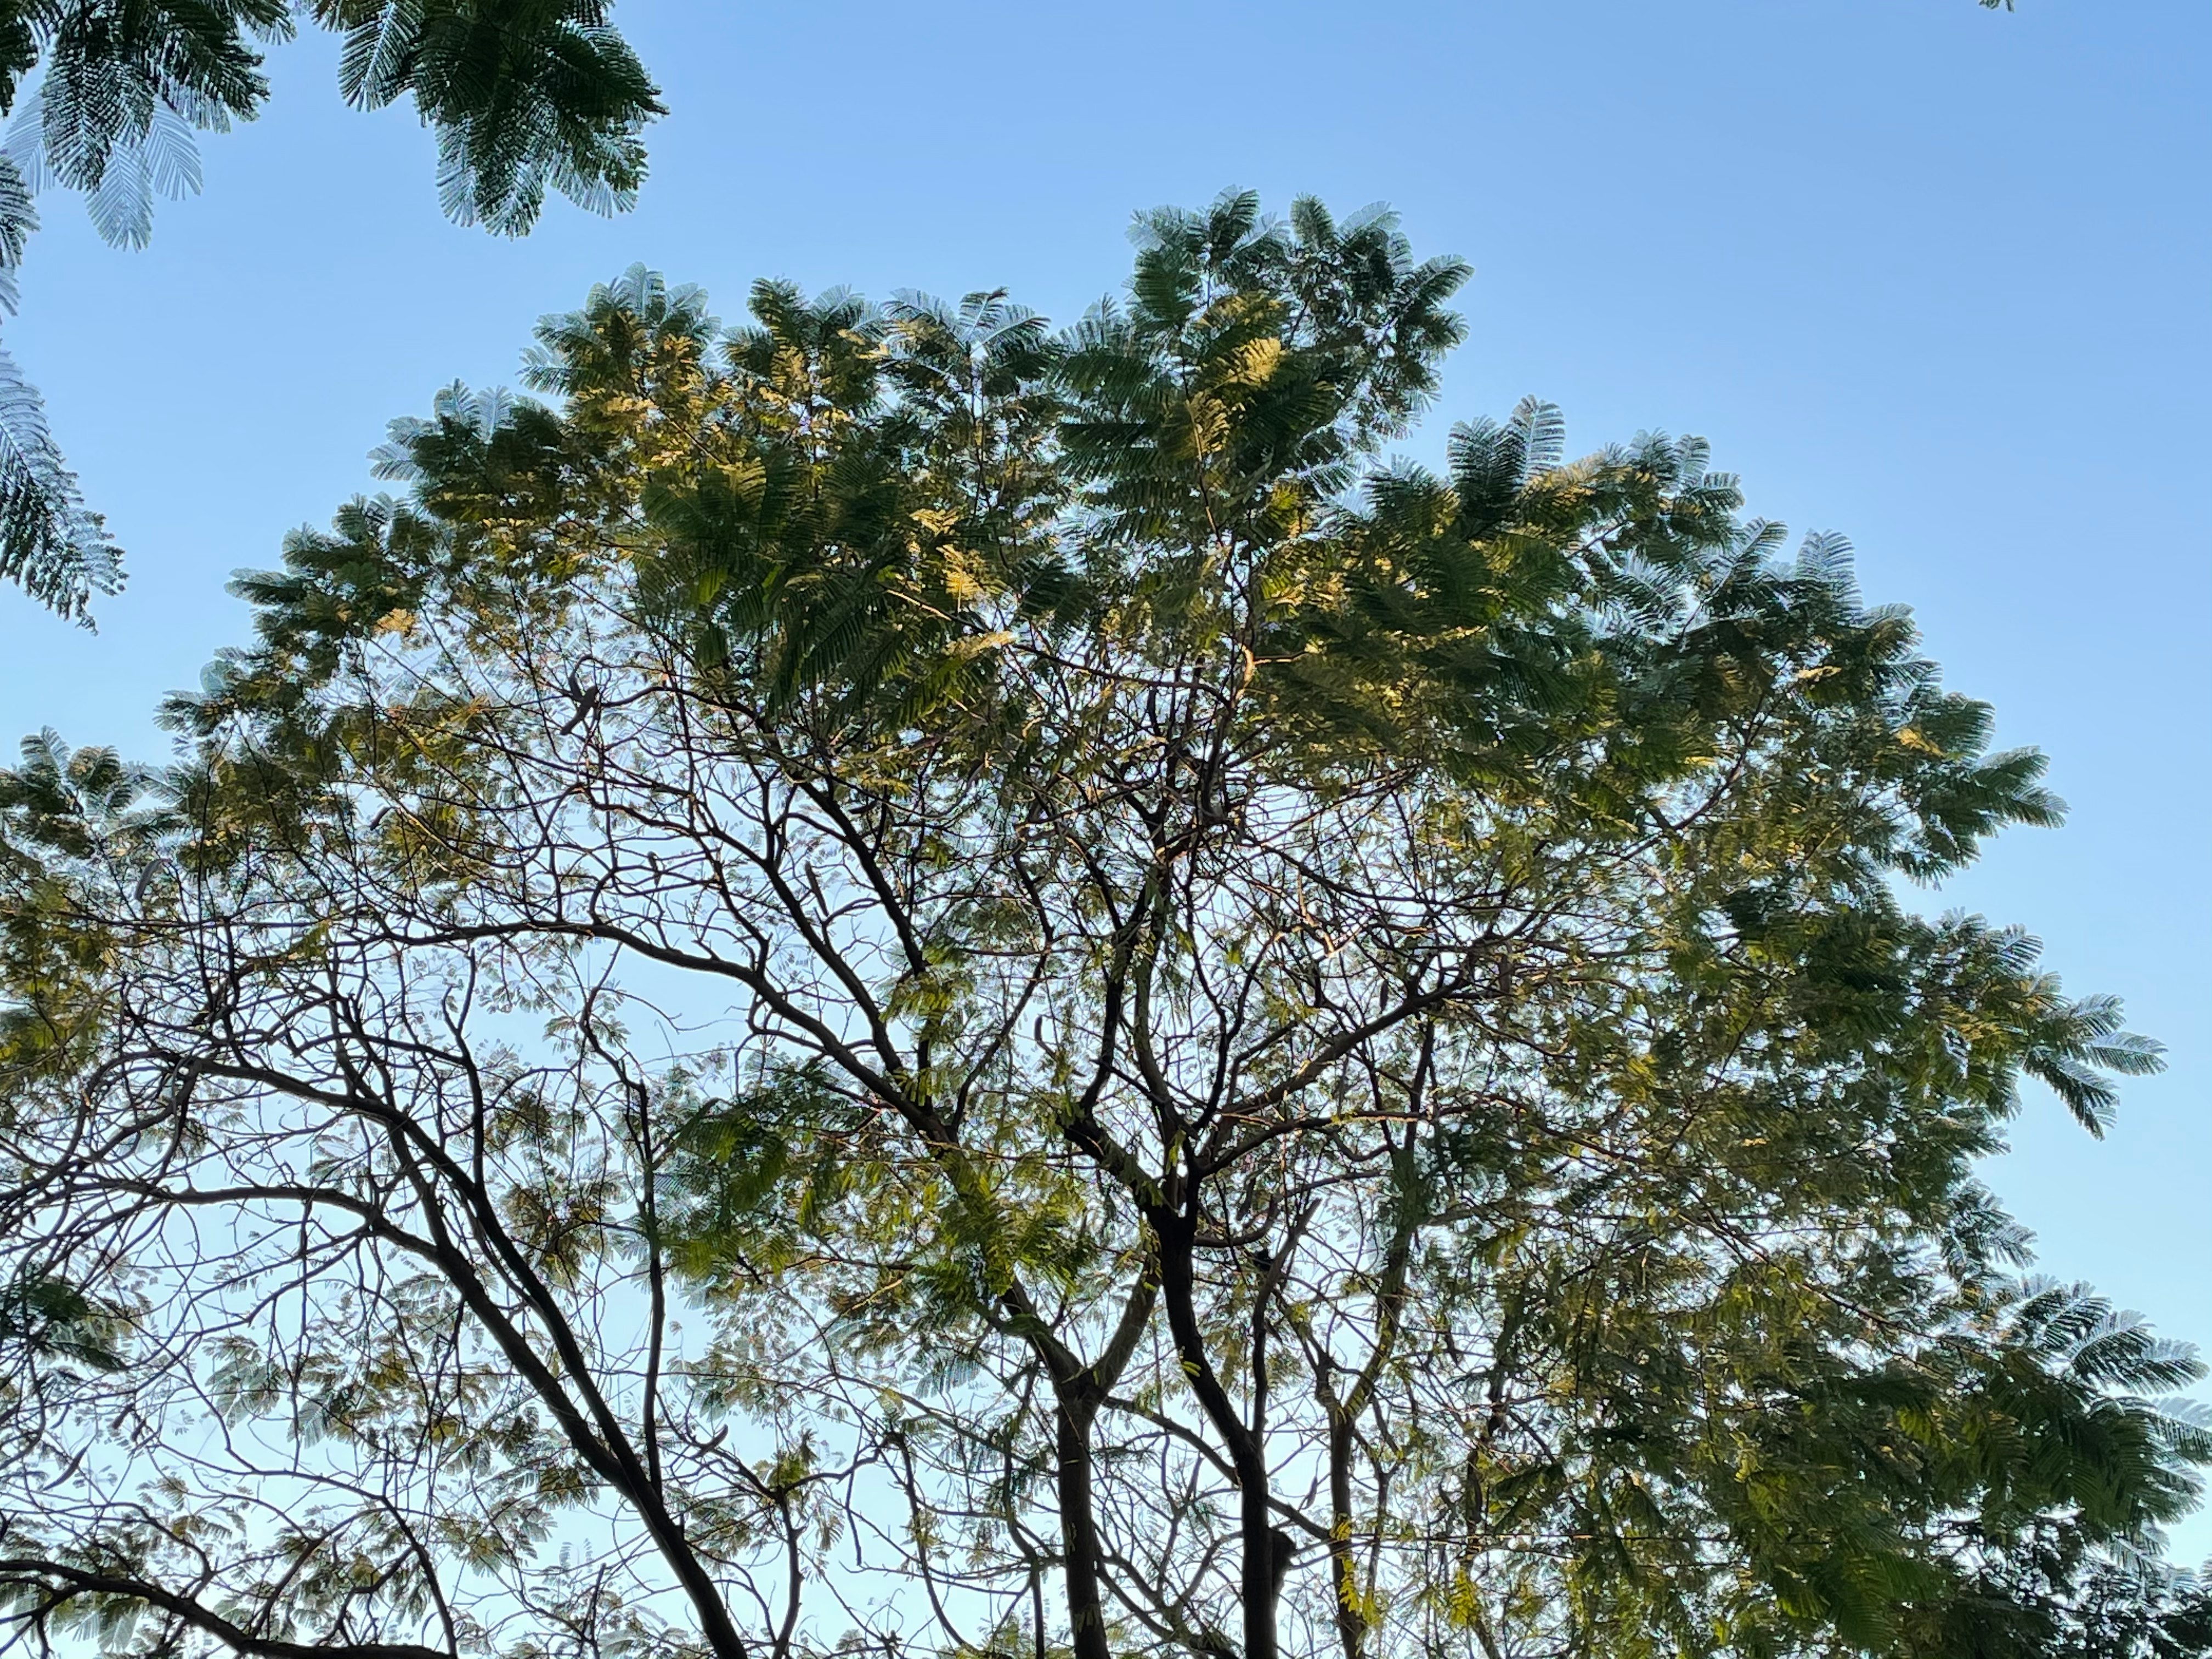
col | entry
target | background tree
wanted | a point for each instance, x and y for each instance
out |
(524, 96)
(889, 978)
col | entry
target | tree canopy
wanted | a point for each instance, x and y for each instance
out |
(889, 978)
(525, 96)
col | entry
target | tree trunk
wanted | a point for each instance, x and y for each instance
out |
(1074, 1409)
(1343, 1569)
(1265, 1552)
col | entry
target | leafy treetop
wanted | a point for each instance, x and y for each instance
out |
(887, 976)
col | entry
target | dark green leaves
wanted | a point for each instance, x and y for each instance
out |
(1255, 361)
(51, 1319)
(58, 549)
(525, 96)
(124, 87)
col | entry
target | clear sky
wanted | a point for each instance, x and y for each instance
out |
(1937, 277)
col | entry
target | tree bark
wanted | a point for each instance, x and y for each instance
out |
(1264, 1559)
(1075, 1408)
(1343, 1569)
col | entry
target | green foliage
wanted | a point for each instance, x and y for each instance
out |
(1003, 962)
(50, 543)
(56, 1321)
(524, 96)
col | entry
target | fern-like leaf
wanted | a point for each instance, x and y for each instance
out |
(50, 541)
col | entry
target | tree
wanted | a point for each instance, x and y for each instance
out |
(889, 978)
(524, 96)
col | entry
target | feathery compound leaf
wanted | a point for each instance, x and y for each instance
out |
(163, 161)
(524, 96)
(55, 1319)
(18, 219)
(25, 145)
(1541, 428)
(50, 541)
(1828, 559)
(380, 42)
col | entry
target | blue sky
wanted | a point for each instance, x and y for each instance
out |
(1938, 278)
